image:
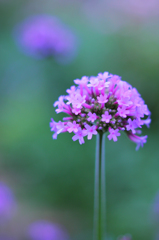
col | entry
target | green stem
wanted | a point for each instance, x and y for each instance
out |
(99, 193)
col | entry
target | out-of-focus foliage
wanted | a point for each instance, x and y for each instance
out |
(54, 179)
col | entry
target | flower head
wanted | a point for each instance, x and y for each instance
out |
(103, 103)
(45, 36)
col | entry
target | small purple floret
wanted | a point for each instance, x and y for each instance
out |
(113, 134)
(92, 117)
(79, 135)
(90, 131)
(72, 127)
(106, 117)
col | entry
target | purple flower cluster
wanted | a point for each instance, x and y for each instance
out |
(45, 36)
(103, 103)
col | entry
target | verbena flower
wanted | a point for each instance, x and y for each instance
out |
(103, 103)
(45, 230)
(45, 36)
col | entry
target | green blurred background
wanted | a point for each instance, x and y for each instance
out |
(54, 179)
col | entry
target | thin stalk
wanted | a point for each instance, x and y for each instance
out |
(99, 193)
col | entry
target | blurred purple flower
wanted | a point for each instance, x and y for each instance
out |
(125, 237)
(7, 202)
(45, 36)
(44, 230)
